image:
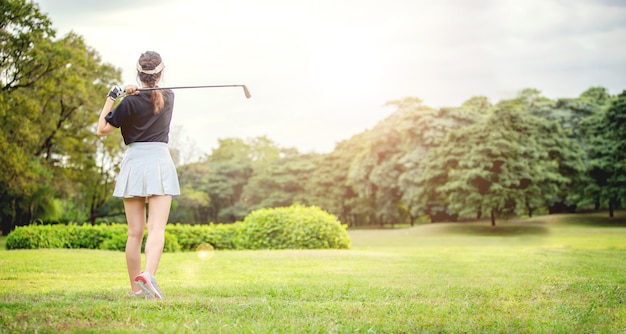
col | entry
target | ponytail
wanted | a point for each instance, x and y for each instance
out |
(157, 101)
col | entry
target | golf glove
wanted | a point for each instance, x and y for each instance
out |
(116, 92)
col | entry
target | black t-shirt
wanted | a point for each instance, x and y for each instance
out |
(135, 116)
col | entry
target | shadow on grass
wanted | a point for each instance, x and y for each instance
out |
(501, 230)
(595, 220)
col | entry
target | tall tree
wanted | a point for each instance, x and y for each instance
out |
(280, 183)
(376, 170)
(51, 92)
(427, 134)
(194, 204)
(577, 115)
(607, 151)
(508, 161)
(328, 186)
(217, 183)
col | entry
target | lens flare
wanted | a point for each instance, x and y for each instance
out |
(205, 251)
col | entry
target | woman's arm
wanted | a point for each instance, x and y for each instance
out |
(104, 127)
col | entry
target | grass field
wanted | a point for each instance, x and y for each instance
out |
(556, 274)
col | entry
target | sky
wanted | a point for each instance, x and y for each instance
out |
(322, 71)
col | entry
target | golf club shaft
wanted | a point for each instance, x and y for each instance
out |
(245, 89)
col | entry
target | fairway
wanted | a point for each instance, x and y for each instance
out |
(551, 274)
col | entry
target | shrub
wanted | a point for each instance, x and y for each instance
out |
(117, 242)
(92, 236)
(294, 227)
(37, 236)
(109, 237)
(22, 237)
(220, 236)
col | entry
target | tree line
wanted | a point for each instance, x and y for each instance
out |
(521, 156)
(518, 157)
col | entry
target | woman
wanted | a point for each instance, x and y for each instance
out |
(147, 174)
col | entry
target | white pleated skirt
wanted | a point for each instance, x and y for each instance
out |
(147, 169)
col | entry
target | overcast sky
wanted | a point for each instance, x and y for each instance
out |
(321, 71)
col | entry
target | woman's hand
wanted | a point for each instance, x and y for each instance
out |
(131, 90)
(119, 91)
(115, 92)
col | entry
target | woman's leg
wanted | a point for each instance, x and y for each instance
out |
(135, 209)
(158, 214)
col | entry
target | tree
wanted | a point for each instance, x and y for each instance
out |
(25, 34)
(607, 152)
(194, 204)
(509, 160)
(569, 113)
(217, 183)
(425, 135)
(328, 186)
(577, 115)
(280, 183)
(51, 91)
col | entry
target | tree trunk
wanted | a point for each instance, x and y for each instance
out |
(611, 209)
(6, 224)
(493, 219)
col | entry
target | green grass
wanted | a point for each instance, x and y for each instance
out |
(553, 274)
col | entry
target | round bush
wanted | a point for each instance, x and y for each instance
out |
(293, 227)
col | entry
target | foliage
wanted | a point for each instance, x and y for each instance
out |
(282, 183)
(117, 242)
(605, 133)
(298, 227)
(108, 237)
(50, 91)
(293, 227)
(216, 185)
(220, 236)
(327, 184)
(509, 161)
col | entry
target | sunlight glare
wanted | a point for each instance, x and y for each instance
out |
(348, 65)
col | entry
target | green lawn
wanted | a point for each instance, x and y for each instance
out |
(557, 274)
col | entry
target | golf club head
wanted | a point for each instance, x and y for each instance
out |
(246, 91)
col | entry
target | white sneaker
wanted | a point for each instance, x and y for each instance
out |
(149, 285)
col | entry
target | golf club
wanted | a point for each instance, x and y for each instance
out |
(245, 89)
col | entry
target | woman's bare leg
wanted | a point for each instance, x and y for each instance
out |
(135, 209)
(158, 214)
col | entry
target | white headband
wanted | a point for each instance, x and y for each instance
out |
(156, 70)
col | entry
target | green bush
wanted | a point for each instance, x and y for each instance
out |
(294, 227)
(117, 242)
(38, 236)
(109, 237)
(92, 236)
(220, 236)
(22, 237)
